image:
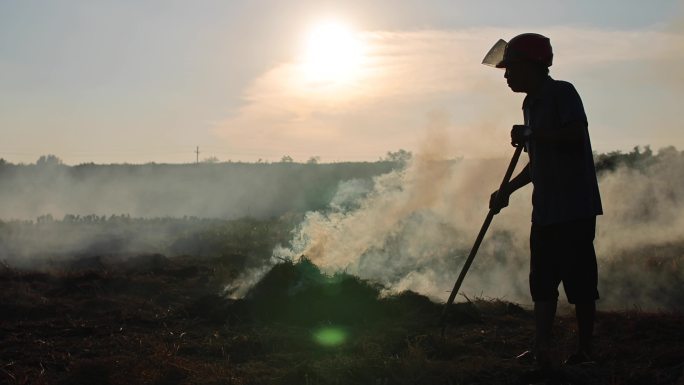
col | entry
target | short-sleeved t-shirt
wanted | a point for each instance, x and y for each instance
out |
(563, 174)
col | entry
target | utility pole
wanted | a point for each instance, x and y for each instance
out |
(197, 152)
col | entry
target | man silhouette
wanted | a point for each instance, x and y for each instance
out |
(565, 195)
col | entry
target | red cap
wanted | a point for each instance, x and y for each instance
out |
(530, 47)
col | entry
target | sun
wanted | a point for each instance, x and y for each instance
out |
(333, 53)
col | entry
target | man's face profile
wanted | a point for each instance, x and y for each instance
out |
(518, 76)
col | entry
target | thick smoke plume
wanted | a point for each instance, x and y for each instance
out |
(413, 228)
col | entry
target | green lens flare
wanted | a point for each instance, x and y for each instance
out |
(330, 336)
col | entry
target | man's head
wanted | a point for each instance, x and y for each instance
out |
(526, 58)
(531, 48)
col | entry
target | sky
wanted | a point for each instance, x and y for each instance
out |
(150, 81)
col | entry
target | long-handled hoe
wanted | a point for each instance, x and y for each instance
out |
(478, 240)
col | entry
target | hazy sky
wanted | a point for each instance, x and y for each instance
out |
(140, 81)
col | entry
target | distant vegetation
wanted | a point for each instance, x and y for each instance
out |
(211, 189)
(638, 158)
(206, 190)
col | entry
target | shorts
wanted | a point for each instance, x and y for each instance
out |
(564, 252)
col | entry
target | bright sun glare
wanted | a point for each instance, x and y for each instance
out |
(333, 53)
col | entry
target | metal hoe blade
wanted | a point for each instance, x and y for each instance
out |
(478, 240)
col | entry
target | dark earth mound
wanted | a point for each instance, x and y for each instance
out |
(154, 320)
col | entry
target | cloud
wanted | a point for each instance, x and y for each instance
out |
(406, 74)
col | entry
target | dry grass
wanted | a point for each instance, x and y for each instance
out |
(154, 320)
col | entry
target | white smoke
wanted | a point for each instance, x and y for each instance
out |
(413, 229)
(644, 205)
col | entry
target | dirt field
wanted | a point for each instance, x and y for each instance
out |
(154, 320)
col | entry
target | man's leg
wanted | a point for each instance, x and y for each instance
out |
(585, 313)
(544, 314)
(581, 283)
(544, 280)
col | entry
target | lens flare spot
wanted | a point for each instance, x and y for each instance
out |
(330, 336)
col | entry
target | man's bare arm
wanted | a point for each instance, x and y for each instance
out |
(497, 200)
(520, 180)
